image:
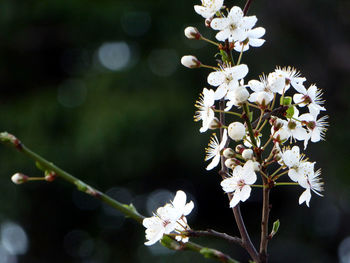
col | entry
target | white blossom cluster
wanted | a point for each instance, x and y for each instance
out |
(279, 100)
(169, 219)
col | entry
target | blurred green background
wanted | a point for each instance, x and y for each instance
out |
(97, 88)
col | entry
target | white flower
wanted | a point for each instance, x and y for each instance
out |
(226, 79)
(247, 154)
(277, 82)
(294, 127)
(239, 183)
(236, 97)
(179, 204)
(205, 111)
(190, 61)
(262, 93)
(310, 182)
(316, 128)
(208, 8)
(236, 131)
(168, 218)
(292, 77)
(234, 27)
(214, 150)
(253, 39)
(298, 168)
(312, 98)
(247, 142)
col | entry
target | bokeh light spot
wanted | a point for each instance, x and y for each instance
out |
(13, 238)
(114, 55)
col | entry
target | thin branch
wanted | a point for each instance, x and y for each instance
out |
(170, 243)
(127, 210)
(279, 112)
(213, 233)
(246, 7)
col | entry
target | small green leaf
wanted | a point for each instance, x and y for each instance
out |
(275, 228)
(290, 112)
(224, 56)
(206, 252)
(40, 167)
(286, 101)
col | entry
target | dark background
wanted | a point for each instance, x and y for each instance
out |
(97, 88)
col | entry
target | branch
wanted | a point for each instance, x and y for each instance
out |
(278, 112)
(170, 243)
(127, 210)
(246, 7)
(246, 242)
(213, 233)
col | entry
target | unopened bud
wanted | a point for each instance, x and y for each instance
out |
(215, 124)
(208, 21)
(277, 81)
(277, 157)
(192, 33)
(239, 148)
(241, 94)
(247, 154)
(19, 178)
(231, 163)
(229, 153)
(263, 98)
(50, 176)
(256, 166)
(190, 62)
(236, 131)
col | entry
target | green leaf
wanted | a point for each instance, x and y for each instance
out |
(290, 112)
(286, 101)
(275, 227)
(224, 56)
(40, 167)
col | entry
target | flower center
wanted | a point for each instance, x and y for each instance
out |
(292, 125)
(311, 125)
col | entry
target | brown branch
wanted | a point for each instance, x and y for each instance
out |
(213, 233)
(278, 112)
(246, 7)
(246, 242)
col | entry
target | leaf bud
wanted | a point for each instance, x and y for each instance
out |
(190, 62)
(286, 101)
(247, 154)
(19, 178)
(229, 153)
(192, 33)
(236, 131)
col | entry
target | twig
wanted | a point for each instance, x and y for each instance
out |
(213, 233)
(279, 112)
(127, 210)
(246, 7)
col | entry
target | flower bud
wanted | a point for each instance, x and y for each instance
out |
(230, 163)
(192, 33)
(236, 131)
(256, 166)
(241, 94)
(19, 178)
(263, 98)
(276, 81)
(190, 61)
(239, 148)
(215, 124)
(229, 153)
(247, 154)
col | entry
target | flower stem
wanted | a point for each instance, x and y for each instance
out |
(285, 183)
(249, 124)
(209, 41)
(229, 112)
